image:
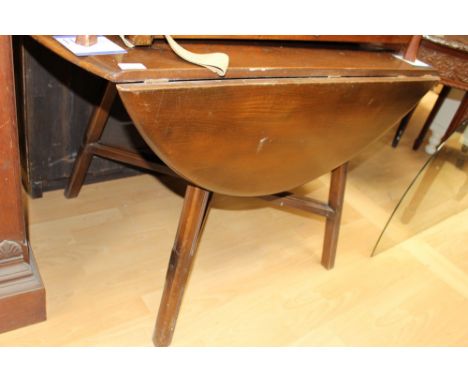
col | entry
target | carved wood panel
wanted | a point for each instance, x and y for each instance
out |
(452, 64)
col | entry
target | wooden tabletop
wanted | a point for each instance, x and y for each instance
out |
(248, 59)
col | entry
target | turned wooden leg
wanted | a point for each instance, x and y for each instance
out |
(93, 134)
(422, 134)
(332, 227)
(191, 222)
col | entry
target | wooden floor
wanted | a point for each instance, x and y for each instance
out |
(257, 279)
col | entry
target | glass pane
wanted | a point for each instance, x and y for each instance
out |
(438, 192)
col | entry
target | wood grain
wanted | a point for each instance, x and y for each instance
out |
(259, 137)
(12, 222)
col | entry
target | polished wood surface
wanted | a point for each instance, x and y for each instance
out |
(22, 296)
(257, 278)
(260, 137)
(248, 59)
(12, 223)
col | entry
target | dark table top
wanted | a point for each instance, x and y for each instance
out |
(248, 59)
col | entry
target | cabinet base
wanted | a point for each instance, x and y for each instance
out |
(22, 301)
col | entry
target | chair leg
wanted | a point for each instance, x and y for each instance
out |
(401, 128)
(93, 134)
(422, 134)
(332, 226)
(191, 222)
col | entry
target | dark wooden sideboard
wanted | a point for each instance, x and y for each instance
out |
(55, 102)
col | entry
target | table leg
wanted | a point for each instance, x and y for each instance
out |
(402, 127)
(191, 222)
(422, 134)
(93, 134)
(332, 226)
